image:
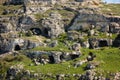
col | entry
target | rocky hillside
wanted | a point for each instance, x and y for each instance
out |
(59, 40)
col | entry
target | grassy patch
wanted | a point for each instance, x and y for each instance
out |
(65, 14)
(109, 59)
(111, 8)
(60, 47)
(10, 7)
(104, 35)
(61, 68)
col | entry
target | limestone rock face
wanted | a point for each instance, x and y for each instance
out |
(17, 44)
(17, 71)
(6, 27)
(25, 22)
(88, 18)
(114, 27)
(96, 43)
(53, 25)
(54, 56)
(36, 9)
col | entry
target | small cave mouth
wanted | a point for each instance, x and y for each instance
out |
(103, 43)
(51, 58)
(45, 32)
(17, 48)
(74, 56)
(36, 31)
(61, 57)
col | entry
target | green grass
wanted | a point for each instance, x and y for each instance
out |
(65, 14)
(10, 7)
(111, 8)
(59, 47)
(109, 59)
(57, 68)
(103, 35)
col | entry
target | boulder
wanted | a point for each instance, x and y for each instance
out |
(114, 27)
(117, 76)
(90, 66)
(79, 63)
(60, 76)
(55, 57)
(6, 27)
(93, 43)
(73, 35)
(76, 46)
(85, 44)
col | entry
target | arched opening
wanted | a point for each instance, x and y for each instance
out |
(17, 48)
(36, 31)
(74, 56)
(51, 58)
(103, 43)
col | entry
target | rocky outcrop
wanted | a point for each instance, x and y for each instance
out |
(25, 23)
(53, 25)
(6, 27)
(53, 56)
(88, 18)
(114, 27)
(36, 9)
(96, 43)
(91, 75)
(17, 44)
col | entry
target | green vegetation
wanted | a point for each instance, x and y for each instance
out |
(108, 58)
(11, 60)
(111, 8)
(10, 7)
(104, 35)
(59, 47)
(68, 15)
(29, 36)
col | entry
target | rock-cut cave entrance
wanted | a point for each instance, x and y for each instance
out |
(36, 31)
(61, 57)
(45, 32)
(17, 48)
(51, 58)
(103, 43)
(74, 56)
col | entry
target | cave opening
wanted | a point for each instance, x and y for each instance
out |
(74, 56)
(51, 58)
(61, 57)
(17, 48)
(103, 43)
(36, 31)
(45, 31)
